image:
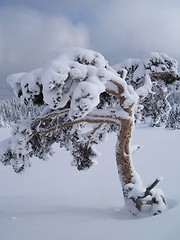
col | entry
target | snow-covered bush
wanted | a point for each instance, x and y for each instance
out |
(163, 72)
(82, 99)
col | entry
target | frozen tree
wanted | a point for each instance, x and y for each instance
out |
(156, 106)
(162, 71)
(13, 111)
(83, 99)
(173, 120)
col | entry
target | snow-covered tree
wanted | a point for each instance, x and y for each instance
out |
(13, 111)
(82, 100)
(173, 120)
(163, 72)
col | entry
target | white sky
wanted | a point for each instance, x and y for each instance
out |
(119, 29)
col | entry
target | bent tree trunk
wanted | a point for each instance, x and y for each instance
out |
(123, 153)
(137, 198)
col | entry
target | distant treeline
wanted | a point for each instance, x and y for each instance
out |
(12, 111)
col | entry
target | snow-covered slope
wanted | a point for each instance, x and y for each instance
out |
(55, 201)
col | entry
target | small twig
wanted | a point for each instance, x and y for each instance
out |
(138, 200)
(148, 189)
(115, 94)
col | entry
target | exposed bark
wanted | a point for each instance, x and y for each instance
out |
(123, 143)
(123, 152)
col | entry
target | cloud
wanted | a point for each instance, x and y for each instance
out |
(28, 36)
(116, 28)
(134, 28)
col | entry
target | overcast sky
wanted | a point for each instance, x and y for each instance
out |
(31, 29)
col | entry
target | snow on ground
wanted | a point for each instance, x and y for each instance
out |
(52, 200)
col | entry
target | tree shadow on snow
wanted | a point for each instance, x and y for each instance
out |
(108, 213)
(85, 212)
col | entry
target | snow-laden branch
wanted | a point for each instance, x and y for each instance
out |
(140, 72)
(40, 126)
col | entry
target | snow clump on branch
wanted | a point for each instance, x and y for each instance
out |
(78, 75)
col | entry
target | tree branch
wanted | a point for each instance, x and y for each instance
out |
(120, 87)
(87, 119)
(115, 94)
(167, 77)
(50, 115)
(138, 201)
(148, 189)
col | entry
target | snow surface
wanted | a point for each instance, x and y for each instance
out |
(52, 200)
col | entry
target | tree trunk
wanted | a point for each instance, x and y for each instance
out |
(123, 152)
(136, 197)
